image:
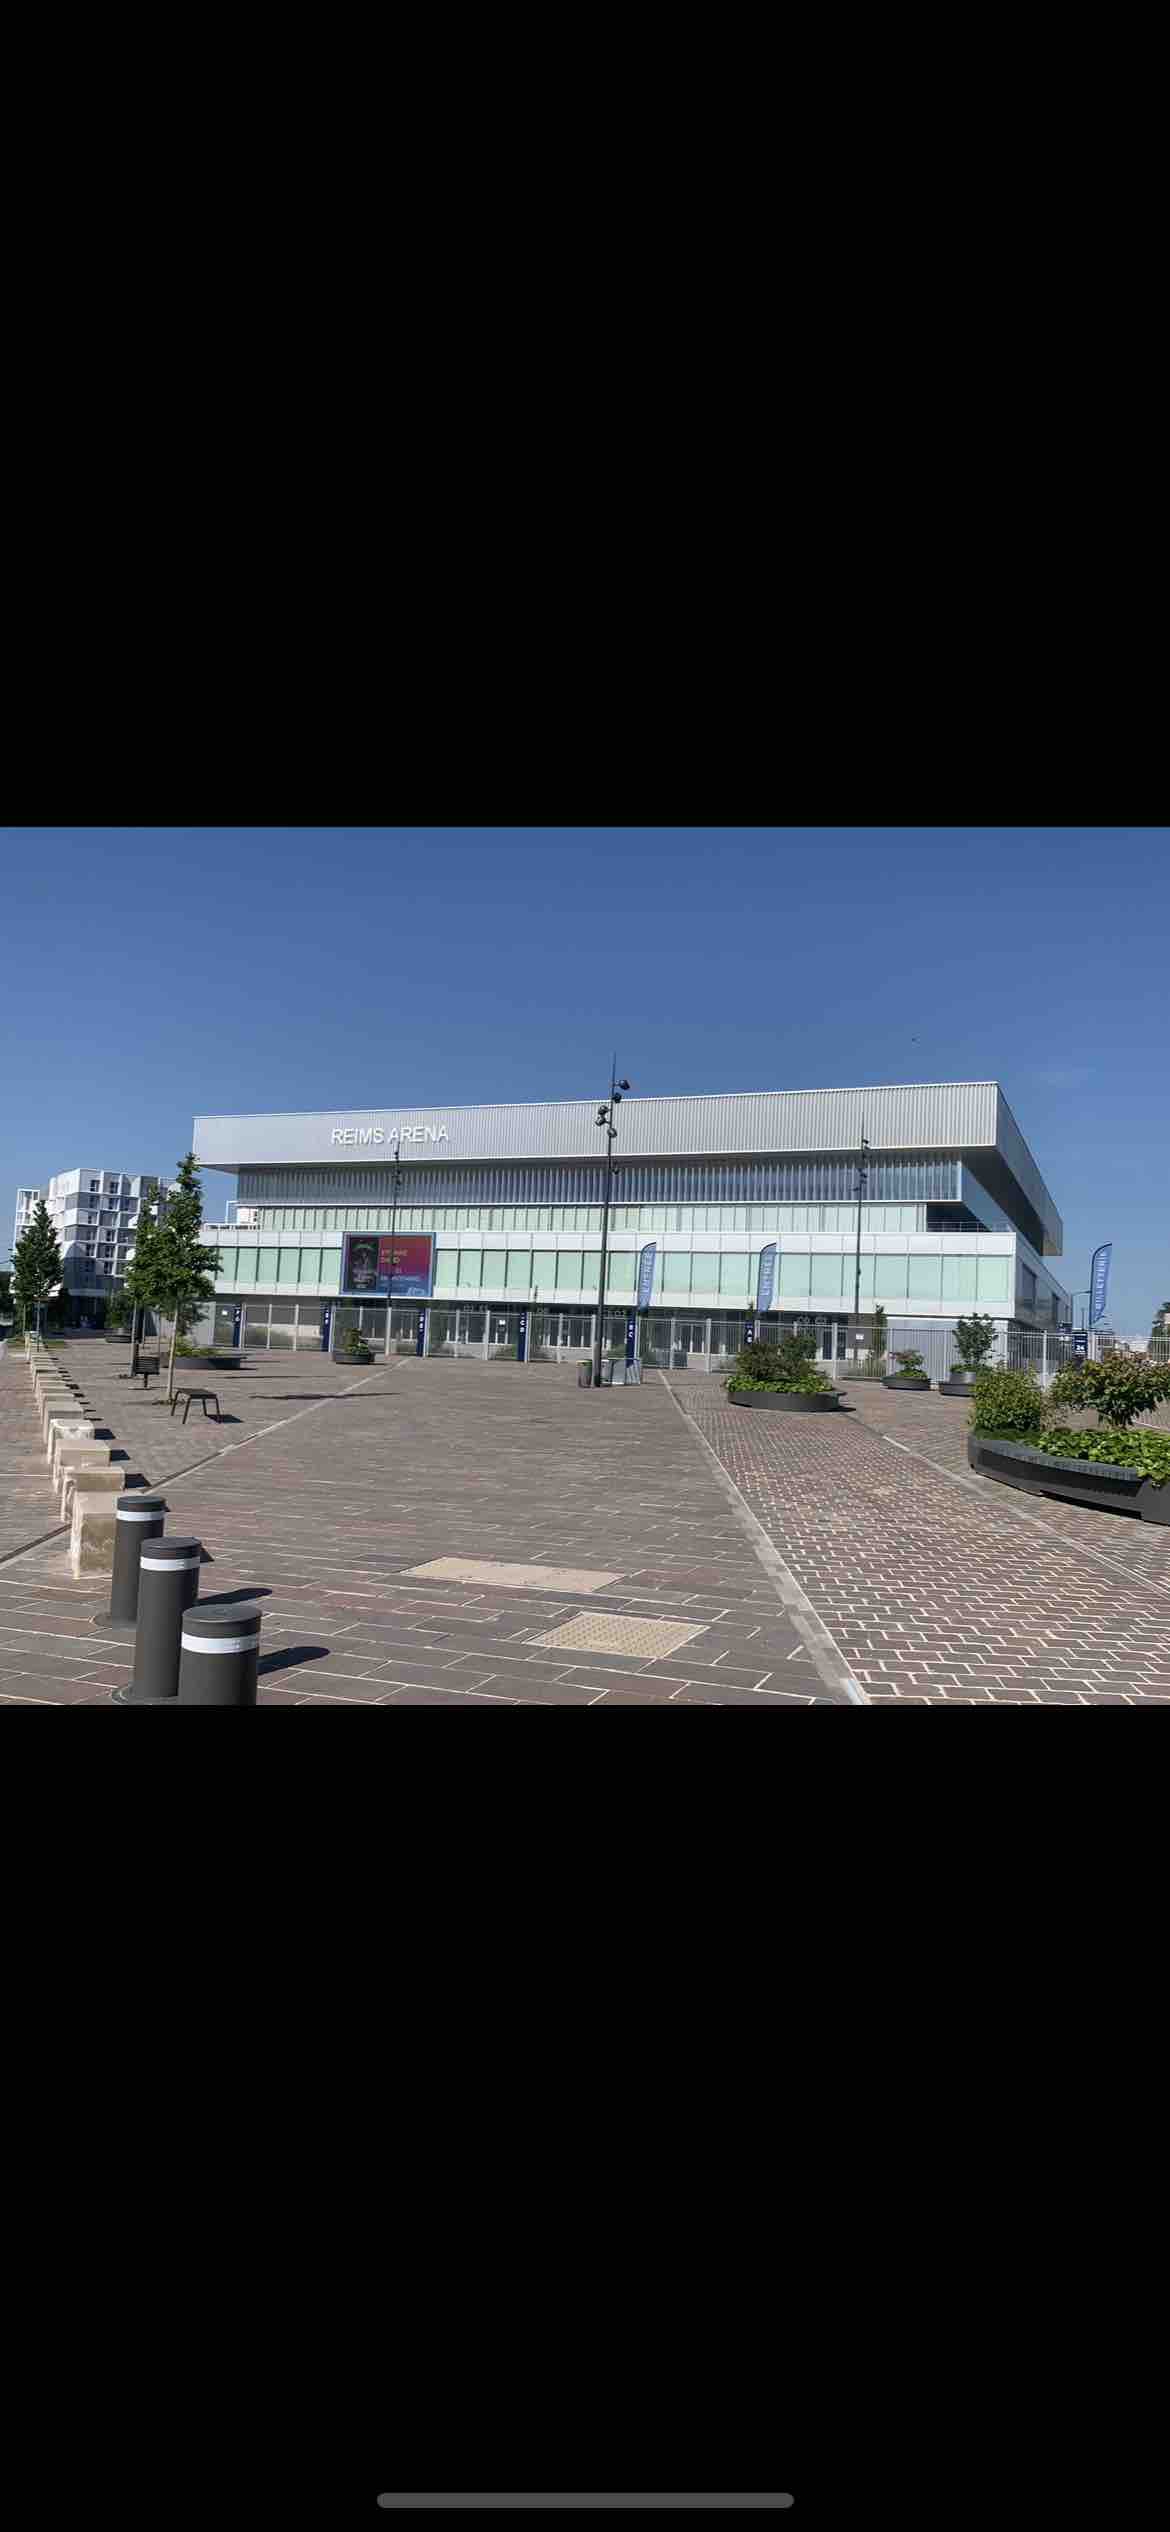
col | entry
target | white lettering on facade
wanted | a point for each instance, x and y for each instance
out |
(360, 1134)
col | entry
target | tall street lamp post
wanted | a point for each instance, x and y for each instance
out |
(395, 1184)
(606, 1117)
(862, 1181)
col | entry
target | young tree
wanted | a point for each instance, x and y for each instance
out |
(181, 1269)
(1161, 1326)
(138, 1278)
(5, 1292)
(37, 1266)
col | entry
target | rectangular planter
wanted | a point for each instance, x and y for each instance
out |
(789, 1401)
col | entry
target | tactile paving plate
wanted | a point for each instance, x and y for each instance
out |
(649, 1639)
(573, 1579)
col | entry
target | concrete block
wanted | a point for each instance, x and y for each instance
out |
(99, 1476)
(61, 1411)
(75, 1456)
(70, 1429)
(52, 1389)
(62, 1434)
(93, 1528)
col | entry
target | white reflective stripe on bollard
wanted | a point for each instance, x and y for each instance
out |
(220, 1643)
(168, 1564)
(140, 1516)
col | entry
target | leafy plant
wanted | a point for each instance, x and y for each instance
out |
(117, 1310)
(1121, 1387)
(974, 1339)
(37, 1266)
(910, 1364)
(353, 1347)
(1148, 1451)
(1010, 1403)
(788, 1365)
(881, 1330)
(813, 1384)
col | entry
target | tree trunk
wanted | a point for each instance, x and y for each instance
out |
(134, 1341)
(171, 1358)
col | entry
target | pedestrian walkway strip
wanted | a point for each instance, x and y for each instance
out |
(823, 1650)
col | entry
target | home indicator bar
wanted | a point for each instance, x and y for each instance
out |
(704, 2503)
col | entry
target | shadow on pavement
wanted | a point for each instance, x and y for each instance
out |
(290, 1658)
(224, 1599)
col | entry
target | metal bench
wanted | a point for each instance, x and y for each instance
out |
(188, 1397)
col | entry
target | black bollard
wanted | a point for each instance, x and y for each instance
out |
(220, 1653)
(140, 1517)
(168, 1587)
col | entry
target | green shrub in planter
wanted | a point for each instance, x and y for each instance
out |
(789, 1364)
(1121, 1387)
(353, 1347)
(911, 1366)
(1148, 1451)
(1011, 1403)
(813, 1384)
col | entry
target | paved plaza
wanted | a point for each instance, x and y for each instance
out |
(458, 1533)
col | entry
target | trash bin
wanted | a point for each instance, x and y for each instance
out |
(584, 1375)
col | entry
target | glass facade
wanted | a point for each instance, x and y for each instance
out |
(952, 1277)
(918, 1177)
(773, 1219)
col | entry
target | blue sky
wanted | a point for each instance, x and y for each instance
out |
(150, 973)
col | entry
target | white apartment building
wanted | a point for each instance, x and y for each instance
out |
(26, 1205)
(94, 1213)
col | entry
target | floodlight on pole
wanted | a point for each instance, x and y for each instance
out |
(606, 1117)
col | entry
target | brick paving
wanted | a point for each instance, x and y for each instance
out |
(332, 1485)
(945, 1593)
(328, 1486)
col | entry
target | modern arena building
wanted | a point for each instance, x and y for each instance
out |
(496, 1224)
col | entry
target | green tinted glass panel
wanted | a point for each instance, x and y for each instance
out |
(794, 1273)
(591, 1274)
(705, 1271)
(310, 1266)
(226, 1277)
(993, 1274)
(331, 1268)
(446, 1269)
(246, 1266)
(470, 1262)
(619, 1271)
(958, 1278)
(288, 1265)
(493, 1269)
(519, 1269)
(544, 1268)
(924, 1278)
(266, 1266)
(676, 1270)
(826, 1278)
(733, 1275)
(891, 1275)
(569, 1270)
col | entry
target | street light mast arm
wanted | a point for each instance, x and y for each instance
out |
(606, 1118)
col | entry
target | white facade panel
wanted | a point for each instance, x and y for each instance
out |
(926, 1115)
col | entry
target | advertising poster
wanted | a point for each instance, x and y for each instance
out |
(367, 1261)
